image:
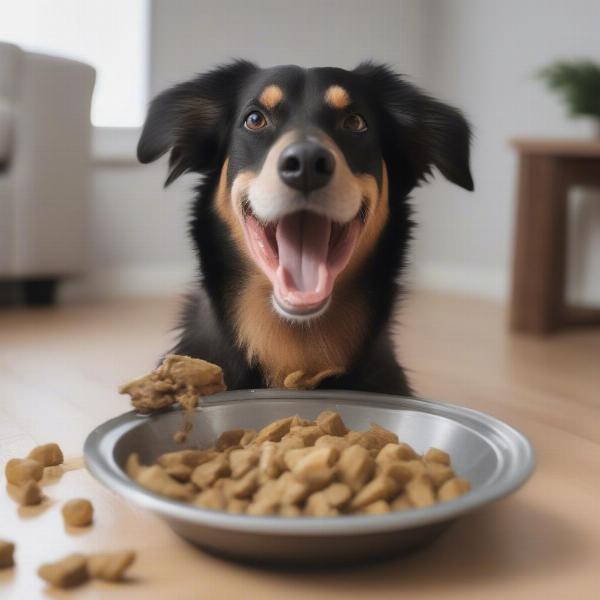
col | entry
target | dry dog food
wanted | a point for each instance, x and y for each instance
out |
(110, 566)
(7, 551)
(68, 572)
(295, 467)
(179, 379)
(78, 512)
(76, 569)
(21, 470)
(48, 455)
(28, 494)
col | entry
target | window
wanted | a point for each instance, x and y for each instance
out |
(111, 35)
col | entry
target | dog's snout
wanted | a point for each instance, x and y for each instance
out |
(306, 166)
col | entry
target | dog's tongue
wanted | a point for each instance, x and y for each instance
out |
(303, 244)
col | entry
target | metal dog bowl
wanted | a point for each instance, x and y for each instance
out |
(496, 458)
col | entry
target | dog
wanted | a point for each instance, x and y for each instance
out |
(302, 220)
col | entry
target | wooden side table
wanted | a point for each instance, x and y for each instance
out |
(547, 169)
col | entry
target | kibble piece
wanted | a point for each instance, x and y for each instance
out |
(398, 472)
(420, 491)
(401, 503)
(289, 510)
(383, 435)
(246, 486)
(416, 466)
(318, 506)
(226, 486)
(68, 572)
(20, 470)
(298, 421)
(7, 552)
(78, 512)
(436, 455)
(380, 507)
(180, 472)
(189, 458)
(269, 463)
(439, 473)
(133, 466)
(213, 499)
(393, 453)
(309, 434)
(292, 457)
(262, 507)
(274, 431)
(110, 566)
(315, 468)
(355, 467)
(156, 480)
(331, 423)
(229, 438)
(452, 489)
(365, 439)
(337, 494)
(332, 441)
(248, 437)
(242, 460)
(237, 506)
(381, 488)
(48, 455)
(206, 474)
(295, 491)
(28, 494)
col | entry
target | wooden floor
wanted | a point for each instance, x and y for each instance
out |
(59, 370)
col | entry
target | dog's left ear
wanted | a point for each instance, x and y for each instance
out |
(419, 128)
(192, 119)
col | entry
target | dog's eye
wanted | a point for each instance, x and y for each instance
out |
(355, 122)
(255, 120)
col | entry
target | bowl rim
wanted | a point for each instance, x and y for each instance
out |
(511, 444)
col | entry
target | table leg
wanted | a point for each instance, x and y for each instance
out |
(537, 303)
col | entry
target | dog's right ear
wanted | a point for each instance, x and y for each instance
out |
(192, 119)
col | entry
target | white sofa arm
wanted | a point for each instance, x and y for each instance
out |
(51, 165)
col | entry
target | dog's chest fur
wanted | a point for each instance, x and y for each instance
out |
(280, 347)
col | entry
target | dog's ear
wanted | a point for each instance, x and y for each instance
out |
(191, 120)
(424, 131)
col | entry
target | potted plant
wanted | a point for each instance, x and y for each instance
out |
(578, 82)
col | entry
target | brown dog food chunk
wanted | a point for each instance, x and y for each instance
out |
(331, 423)
(243, 460)
(420, 491)
(7, 552)
(435, 455)
(21, 470)
(68, 572)
(110, 566)
(206, 474)
(156, 480)
(275, 431)
(355, 467)
(48, 455)
(28, 494)
(452, 489)
(78, 512)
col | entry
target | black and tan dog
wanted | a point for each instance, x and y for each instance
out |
(301, 221)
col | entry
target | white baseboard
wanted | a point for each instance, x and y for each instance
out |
(477, 282)
(156, 280)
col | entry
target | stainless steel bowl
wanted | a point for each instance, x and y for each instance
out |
(496, 458)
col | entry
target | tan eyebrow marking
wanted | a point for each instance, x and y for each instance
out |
(337, 97)
(271, 96)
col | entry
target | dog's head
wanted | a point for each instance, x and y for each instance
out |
(303, 158)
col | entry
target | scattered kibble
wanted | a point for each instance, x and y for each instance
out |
(48, 455)
(21, 470)
(66, 573)
(7, 551)
(28, 494)
(78, 512)
(110, 566)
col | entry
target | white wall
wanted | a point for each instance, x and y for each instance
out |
(482, 55)
(478, 54)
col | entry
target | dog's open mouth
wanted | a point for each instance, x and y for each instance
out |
(302, 254)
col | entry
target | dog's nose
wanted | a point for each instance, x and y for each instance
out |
(306, 166)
